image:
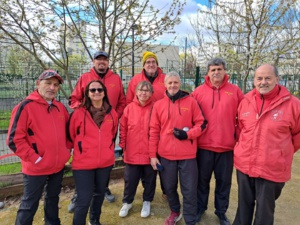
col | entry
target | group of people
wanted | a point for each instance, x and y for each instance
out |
(185, 137)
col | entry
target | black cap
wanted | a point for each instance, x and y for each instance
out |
(100, 53)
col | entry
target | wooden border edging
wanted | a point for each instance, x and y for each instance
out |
(17, 181)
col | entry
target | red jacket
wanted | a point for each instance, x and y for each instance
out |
(93, 146)
(219, 106)
(111, 81)
(167, 115)
(267, 142)
(39, 130)
(158, 86)
(134, 132)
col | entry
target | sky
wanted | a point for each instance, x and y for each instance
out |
(189, 12)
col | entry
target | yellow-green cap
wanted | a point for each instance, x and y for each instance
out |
(148, 55)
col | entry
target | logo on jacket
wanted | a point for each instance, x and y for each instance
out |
(184, 109)
(109, 120)
(112, 85)
(245, 114)
(228, 93)
(276, 115)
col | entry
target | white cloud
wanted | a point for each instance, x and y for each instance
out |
(189, 12)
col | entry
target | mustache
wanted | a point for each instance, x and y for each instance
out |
(263, 85)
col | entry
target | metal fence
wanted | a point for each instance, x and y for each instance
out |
(13, 88)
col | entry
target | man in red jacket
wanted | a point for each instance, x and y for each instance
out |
(219, 101)
(151, 73)
(176, 122)
(37, 134)
(112, 82)
(269, 120)
(115, 90)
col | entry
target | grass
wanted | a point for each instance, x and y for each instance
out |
(4, 119)
(159, 208)
(10, 168)
(16, 168)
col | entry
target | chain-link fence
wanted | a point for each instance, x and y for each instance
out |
(14, 88)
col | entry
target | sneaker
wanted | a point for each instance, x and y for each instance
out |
(199, 216)
(71, 207)
(124, 210)
(1, 205)
(109, 196)
(146, 209)
(223, 219)
(173, 218)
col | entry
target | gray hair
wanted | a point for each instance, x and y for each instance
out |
(144, 84)
(216, 62)
(172, 74)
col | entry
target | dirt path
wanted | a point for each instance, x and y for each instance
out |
(287, 207)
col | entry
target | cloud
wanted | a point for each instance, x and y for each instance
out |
(189, 12)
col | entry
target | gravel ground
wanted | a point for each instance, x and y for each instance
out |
(287, 207)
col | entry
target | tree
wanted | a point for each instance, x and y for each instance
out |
(46, 29)
(248, 32)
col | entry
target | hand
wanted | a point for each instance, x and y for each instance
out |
(180, 134)
(154, 161)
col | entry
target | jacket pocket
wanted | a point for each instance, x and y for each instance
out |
(34, 146)
(80, 146)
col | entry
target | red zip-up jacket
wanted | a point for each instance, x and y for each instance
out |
(93, 146)
(158, 86)
(38, 129)
(111, 81)
(167, 115)
(219, 106)
(268, 141)
(134, 132)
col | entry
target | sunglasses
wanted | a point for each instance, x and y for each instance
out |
(93, 90)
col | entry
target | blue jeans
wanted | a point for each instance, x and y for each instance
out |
(33, 189)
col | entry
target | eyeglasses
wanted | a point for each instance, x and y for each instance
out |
(141, 90)
(150, 62)
(93, 90)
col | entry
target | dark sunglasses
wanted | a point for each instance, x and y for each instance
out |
(93, 90)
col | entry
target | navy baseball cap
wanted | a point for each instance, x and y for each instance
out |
(100, 53)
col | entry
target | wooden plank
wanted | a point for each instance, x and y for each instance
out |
(17, 189)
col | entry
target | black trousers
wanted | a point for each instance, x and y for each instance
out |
(259, 193)
(33, 190)
(221, 164)
(132, 175)
(90, 186)
(188, 174)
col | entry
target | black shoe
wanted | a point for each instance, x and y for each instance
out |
(94, 223)
(109, 196)
(199, 215)
(223, 219)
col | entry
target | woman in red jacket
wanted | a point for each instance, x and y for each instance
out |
(92, 128)
(134, 127)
